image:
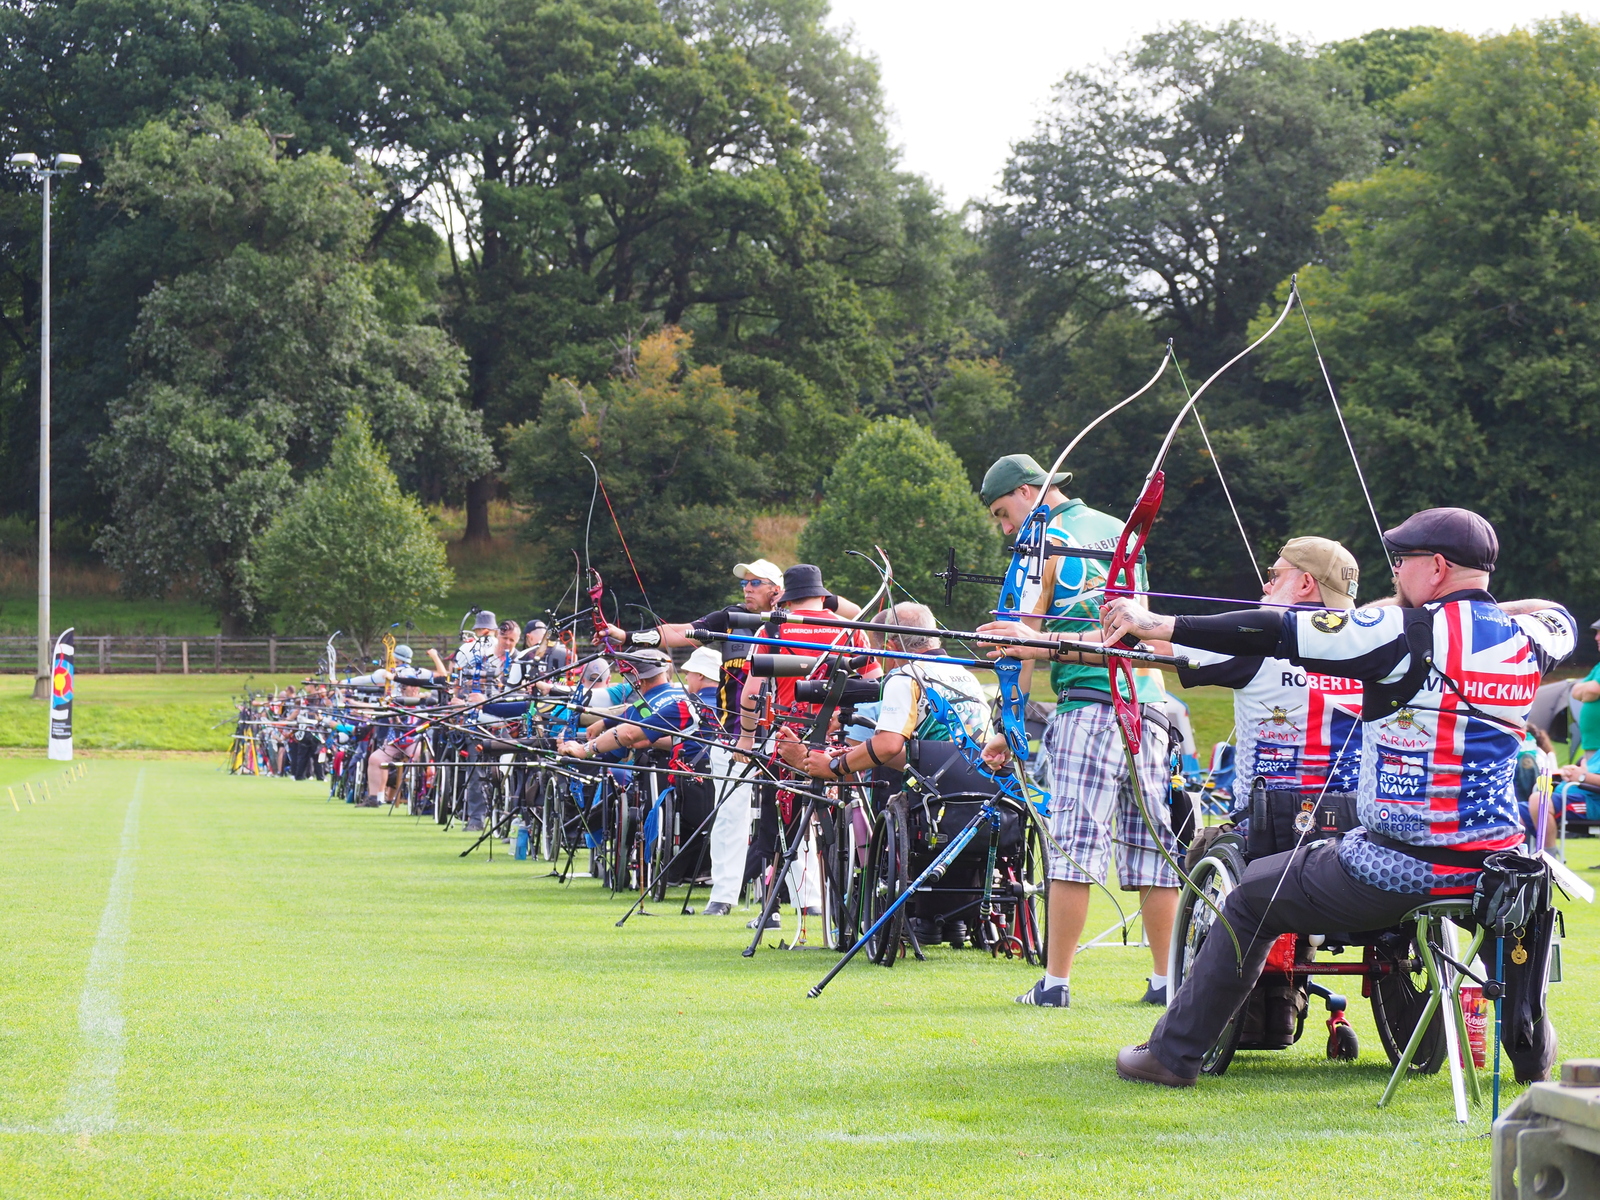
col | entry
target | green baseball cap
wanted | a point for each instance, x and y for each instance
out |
(1011, 472)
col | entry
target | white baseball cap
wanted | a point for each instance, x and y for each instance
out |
(761, 568)
(704, 661)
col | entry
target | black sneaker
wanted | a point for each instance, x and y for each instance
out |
(1154, 995)
(1040, 996)
(773, 922)
(716, 909)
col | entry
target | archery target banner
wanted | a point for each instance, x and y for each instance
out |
(61, 680)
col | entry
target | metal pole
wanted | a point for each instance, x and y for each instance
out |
(41, 684)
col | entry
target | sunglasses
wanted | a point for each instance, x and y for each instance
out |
(757, 583)
(1396, 559)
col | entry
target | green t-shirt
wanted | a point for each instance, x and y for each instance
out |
(1058, 597)
(1589, 715)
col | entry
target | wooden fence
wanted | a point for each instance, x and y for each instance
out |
(99, 655)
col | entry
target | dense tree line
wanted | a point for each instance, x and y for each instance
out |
(672, 235)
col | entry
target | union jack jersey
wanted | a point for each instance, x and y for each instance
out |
(1299, 730)
(1437, 764)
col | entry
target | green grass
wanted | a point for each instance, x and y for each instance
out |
(320, 1001)
(134, 712)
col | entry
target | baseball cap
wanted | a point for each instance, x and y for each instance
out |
(760, 568)
(1330, 564)
(484, 619)
(534, 624)
(1011, 472)
(1460, 534)
(704, 661)
(402, 654)
(596, 672)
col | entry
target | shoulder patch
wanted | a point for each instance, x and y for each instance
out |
(1329, 620)
(1551, 621)
(1367, 617)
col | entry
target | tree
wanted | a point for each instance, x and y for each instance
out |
(1459, 311)
(245, 364)
(664, 438)
(1186, 177)
(718, 165)
(899, 487)
(351, 551)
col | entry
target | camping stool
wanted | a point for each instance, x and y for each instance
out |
(1436, 922)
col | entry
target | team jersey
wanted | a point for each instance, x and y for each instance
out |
(1299, 730)
(1059, 597)
(906, 708)
(663, 710)
(478, 667)
(823, 636)
(1437, 763)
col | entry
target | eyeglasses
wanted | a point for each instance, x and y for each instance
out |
(1270, 574)
(1396, 559)
(756, 583)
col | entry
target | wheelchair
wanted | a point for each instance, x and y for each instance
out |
(1273, 1017)
(942, 792)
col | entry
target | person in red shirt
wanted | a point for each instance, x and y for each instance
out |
(803, 595)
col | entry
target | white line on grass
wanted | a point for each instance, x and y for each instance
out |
(91, 1101)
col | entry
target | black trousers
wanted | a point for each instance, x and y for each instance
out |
(1315, 895)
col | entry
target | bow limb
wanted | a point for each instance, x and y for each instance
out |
(1121, 577)
(1061, 458)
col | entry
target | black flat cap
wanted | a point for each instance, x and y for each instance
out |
(1459, 534)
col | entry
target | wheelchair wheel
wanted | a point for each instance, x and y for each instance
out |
(885, 879)
(851, 851)
(666, 845)
(1399, 994)
(1030, 925)
(1214, 876)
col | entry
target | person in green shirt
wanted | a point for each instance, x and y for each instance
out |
(1587, 690)
(1090, 788)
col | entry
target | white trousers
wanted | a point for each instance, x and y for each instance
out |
(730, 842)
(730, 832)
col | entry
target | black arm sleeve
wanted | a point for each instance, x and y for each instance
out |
(1233, 673)
(1247, 631)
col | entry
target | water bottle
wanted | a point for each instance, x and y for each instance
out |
(519, 838)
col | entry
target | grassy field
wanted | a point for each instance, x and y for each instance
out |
(134, 712)
(215, 986)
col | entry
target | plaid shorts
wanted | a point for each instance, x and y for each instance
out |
(1089, 789)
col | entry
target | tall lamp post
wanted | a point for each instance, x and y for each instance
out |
(61, 164)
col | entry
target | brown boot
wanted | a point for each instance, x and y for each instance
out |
(1138, 1064)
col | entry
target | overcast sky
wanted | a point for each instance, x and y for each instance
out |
(965, 80)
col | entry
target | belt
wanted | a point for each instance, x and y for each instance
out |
(1149, 712)
(1437, 855)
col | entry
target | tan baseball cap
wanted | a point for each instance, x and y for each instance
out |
(1330, 564)
(759, 569)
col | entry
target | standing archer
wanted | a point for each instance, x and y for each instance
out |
(1090, 785)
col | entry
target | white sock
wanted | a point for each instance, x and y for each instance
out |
(1158, 982)
(1051, 981)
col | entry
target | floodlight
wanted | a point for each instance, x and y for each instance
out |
(68, 162)
(24, 160)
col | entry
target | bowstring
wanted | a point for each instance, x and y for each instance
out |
(1361, 478)
(1223, 480)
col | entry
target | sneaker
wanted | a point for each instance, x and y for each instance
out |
(774, 922)
(369, 802)
(716, 909)
(1154, 995)
(1040, 996)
